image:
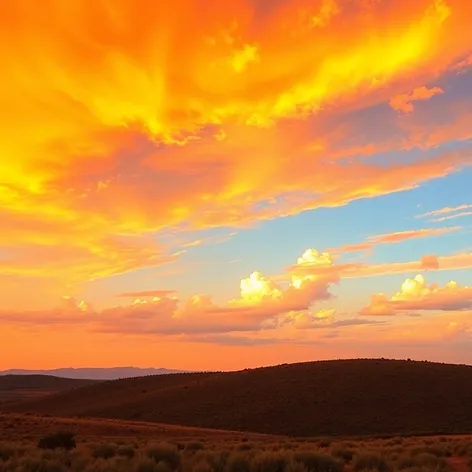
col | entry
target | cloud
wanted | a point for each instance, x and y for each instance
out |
(404, 101)
(451, 217)
(147, 293)
(444, 214)
(397, 237)
(147, 125)
(262, 304)
(416, 295)
(464, 64)
(432, 262)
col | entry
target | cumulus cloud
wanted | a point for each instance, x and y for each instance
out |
(403, 102)
(262, 304)
(416, 295)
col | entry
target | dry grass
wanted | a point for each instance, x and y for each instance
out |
(225, 452)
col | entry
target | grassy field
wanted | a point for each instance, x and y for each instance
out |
(107, 446)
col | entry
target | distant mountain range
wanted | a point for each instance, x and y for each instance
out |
(94, 373)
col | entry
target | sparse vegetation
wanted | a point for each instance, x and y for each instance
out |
(60, 440)
(306, 399)
(223, 454)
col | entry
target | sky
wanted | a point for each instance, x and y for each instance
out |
(249, 184)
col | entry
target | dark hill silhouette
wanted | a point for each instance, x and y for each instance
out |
(341, 398)
(96, 373)
(15, 387)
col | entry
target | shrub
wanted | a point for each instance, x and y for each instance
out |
(245, 447)
(432, 462)
(294, 466)
(435, 450)
(59, 440)
(269, 462)
(166, 453)
(316, 462)
(371, 462)
(104, 451)
(6, 452)
(238, 463)
(344, 453)
(217, 460)
(150, 465)
(194, 446)
(202, 466)
(28, 464)
(126, 450)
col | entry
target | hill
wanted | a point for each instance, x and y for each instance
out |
(96, 373)
(17, 387)
(341, 398)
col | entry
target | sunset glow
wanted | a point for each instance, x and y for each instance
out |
(245, 183)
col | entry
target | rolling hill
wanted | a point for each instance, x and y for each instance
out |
(20, 387)
(339, 398)
(95, 373)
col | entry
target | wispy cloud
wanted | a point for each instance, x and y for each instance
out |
(403, 102)
(396, 237)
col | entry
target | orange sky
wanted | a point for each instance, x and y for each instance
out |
(169, 168)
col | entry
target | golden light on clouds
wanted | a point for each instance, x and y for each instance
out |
(129, 128)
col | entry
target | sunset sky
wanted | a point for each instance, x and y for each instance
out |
(219, 185)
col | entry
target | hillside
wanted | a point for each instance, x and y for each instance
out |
(95, 373)
(16, 387)
(342, 398)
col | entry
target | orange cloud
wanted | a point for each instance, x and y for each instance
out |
(404, 101)
(397, 237)
(444, 210)
(263, 304)
(416, 295)
(458, 213)
(147, 293)
(129, 119)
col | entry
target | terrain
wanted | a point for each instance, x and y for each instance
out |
(30, 443)
(95, 373)
(21, 387)
(343, 398)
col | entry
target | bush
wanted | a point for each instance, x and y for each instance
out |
(104, 451)
(6, 452)
(432, 462)
(294, 466)
(166, 453)
(28, 464)
(60, 440)
(270, 462)
(343, 453)
(126, 450)
(194, 446)
(435, 450)
(238, 463)
(150, 465)
(371, 462)
(316, 462)
(202, 466)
